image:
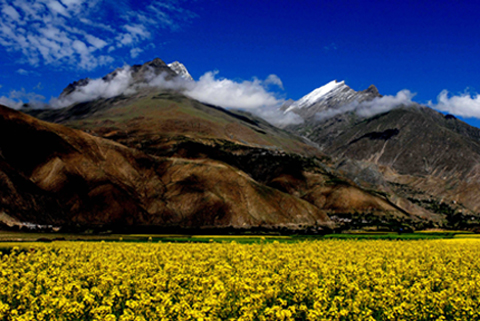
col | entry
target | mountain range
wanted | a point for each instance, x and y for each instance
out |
(430, 158)
(154, 158)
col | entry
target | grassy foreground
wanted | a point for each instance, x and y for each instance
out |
(310, 280)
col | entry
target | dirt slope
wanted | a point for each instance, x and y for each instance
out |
(96, 181)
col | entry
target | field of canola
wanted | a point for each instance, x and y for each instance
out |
(317, 280)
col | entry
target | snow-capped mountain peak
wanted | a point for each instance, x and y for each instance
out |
(333, 95)
(320, 94)
(180, 70)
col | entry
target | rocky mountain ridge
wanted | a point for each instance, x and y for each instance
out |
(138, 74)
(330, 96)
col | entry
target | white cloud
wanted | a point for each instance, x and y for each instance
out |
(168, 14)
(230, 94)
(73, 3)
(74, 34)
(371, 108)
(278, 117)
(17, 98)
(11, 12)
(137, 31)
(383, 104)
(246, 95)
(124, 40)
(57, 8)
(97, 25)
(98, 88)
(80, 47)
(134, 52)
(23, 95)
(96, 42)
(22, 72)
(5, 101)
(464, 105)
(274, 80)
(25, 72)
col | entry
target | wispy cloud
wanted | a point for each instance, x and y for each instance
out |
(330, 47)
(15, 104)
(274, 80)
(39, 86)
(371, 108)
(464, 105)
(74, 33)
(24, 72)
(17, 98)
(134, 52)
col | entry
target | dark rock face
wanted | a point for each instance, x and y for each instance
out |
(385, 135)
(74, 85)
(372, 91)
(412, 140)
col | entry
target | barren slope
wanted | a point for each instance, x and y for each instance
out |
(167, 124)
(429, 158)
(97, 181)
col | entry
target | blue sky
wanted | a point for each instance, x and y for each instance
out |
(428, 48)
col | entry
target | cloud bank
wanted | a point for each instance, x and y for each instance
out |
(371, 108)
(464, 105)
(227, 93)
(278, 117)
(98, 88)
(252, 96)
(78, 33)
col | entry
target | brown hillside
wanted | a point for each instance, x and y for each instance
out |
(97, 181)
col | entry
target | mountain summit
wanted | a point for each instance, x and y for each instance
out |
(180, 69)
(330, 96)
(126, 79)
(429, 158)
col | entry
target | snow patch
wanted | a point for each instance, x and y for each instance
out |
(317, 95)
(180, 70)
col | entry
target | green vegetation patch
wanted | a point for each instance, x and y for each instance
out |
(7, 239)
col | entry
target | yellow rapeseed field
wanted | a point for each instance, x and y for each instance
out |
(317, 280)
